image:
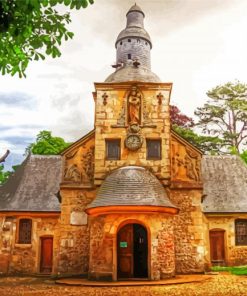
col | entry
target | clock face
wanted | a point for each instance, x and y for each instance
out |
(133, 142)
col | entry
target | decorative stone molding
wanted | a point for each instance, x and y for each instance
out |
(105, 96)
(72, 174)
(160, 97)
(133, 140)
(88, 165)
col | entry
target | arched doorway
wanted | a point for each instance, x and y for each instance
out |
(132, 251)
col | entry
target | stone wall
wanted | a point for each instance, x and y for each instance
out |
(16, 258)
(235, 255)
(138, 48)
(189, 231)
(73, 232)
(103, 244)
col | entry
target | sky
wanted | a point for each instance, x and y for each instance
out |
(197, 45)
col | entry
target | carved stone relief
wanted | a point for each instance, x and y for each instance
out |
(88, 165)
(186, 164)
(122, 116)
(79, 165)
(72, 174)
(133, 140)
(146, 113)
(134, 106)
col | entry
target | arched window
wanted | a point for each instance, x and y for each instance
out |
(25, 231)
(241, 232)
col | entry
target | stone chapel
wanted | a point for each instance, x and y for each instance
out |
(131, 199)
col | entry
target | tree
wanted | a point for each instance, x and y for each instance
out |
(206, 144)
(31, 29)
(180, 119)
(3, 175)
(46, 144)
(182, 125)
(225, 114)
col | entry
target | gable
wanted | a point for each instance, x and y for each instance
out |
(78, 162)
(185, 160)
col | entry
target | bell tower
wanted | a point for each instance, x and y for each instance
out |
(133, 47)
(132, 123)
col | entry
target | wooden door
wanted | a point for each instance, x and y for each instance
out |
(132, 251)
(217, 245)
(125, 251)
(46, 254)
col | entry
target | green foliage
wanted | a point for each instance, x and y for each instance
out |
(46, 144)
(225, 114)
(237, 270)
(3, 175)
(207, 144)
(243, 155)
(32, 29)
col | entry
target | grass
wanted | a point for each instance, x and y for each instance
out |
(238, 270)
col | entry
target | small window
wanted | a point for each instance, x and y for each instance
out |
(129, 40)
(241, 232)
(121, 43)
(153, 149)
(138, 40)
(129, 56)
(113, 149)
(25, 231)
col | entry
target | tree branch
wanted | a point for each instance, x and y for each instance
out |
(2, 159)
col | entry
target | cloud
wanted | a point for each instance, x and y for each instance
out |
(17, 99)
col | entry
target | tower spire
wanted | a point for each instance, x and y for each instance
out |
(133, 46)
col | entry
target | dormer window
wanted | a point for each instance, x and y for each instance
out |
(129, 56)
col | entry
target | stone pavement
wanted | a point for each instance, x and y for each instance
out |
(180, 279)
(218, 285)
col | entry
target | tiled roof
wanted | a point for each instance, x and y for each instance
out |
(131, 185)
(224, 183)
(130, 73)
(34, 186)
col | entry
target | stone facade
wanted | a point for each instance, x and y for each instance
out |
(234, 254)
(103, 245)
(16, 258)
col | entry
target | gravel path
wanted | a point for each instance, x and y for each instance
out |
(222, 284)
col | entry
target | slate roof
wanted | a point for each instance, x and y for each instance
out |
(225, 184)
(131, 185)
(131, 73)
(135, 8)
(34, 186)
